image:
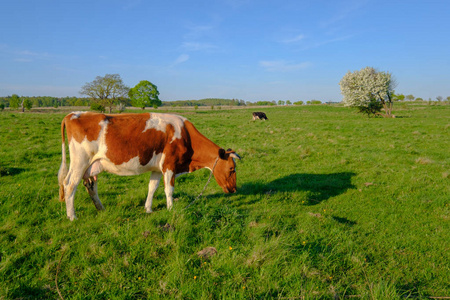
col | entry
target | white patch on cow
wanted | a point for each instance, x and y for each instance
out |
(82, 154)
(160, 121)
(76, 114)
(102, 147)
(161, 161)
(133, 166)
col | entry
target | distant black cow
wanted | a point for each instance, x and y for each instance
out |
(259, 116)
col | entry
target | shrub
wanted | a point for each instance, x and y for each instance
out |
(97, 106)
(373, 108)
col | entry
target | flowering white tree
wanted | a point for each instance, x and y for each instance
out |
(369, 90)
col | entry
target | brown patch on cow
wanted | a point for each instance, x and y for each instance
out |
(178, 152)
(125, 138)
(86, 125)
(205, 150)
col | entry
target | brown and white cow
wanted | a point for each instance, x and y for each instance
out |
(130, 144)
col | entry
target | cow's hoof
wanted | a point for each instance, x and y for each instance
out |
(71, 218)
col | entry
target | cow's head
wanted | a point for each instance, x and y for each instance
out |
(225, 170)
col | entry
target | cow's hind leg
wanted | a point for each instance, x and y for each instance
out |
(152, 186)
(91, 187)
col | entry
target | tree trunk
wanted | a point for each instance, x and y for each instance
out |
(387, 106)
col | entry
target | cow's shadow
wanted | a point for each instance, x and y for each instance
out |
(5, 171)
(317, 187)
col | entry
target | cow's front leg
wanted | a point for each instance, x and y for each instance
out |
(91, 187)
(152, 186)
(169, 183)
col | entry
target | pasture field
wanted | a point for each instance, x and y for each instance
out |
(330, 205)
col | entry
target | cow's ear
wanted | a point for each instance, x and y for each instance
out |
(222, 153)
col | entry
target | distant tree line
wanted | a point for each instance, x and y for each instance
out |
(15, 101)
(368, 89)
(206, 102)
(24, 102)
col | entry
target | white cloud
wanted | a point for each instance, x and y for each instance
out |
(198, 31)
(23, 60)
(346, 10)
(295, 39)
(196, 46)
(180, 59)
(282, 66)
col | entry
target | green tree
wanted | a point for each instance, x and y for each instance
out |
(363, 89)
(409, 97)
(27, 104)
(14, 101)
(397, 97)
(144, 94)
(106, 91)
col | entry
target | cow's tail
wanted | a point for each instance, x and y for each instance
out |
(63, 168)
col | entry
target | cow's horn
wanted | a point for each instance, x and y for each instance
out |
(234, 155)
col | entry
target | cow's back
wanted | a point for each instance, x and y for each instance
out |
(125, 143)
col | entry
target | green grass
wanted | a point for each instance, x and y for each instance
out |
(330, 204)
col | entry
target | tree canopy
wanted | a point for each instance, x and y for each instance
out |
(369, 90)
(14, 101)
(107, 90)
(144, 94)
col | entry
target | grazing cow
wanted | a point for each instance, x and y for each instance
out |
(259, 116)
(131, 144)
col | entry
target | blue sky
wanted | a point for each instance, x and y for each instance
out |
(243, 49)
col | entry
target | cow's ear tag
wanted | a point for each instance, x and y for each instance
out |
(222, 153)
